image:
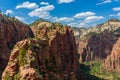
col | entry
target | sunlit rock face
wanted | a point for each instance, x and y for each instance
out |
(51, 55)
(97, 42)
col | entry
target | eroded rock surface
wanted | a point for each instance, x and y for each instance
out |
(52, 55)
(96, 47)
(97, 42)
(112, 63)
(11, 31)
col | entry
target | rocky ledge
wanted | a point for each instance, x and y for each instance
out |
(51, 55)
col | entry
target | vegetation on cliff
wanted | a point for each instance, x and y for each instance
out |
(45, 56)
(11, 31)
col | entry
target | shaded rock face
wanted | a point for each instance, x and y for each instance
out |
(112, 62)
(10, 33)
(97, 46)
(52, 55)
(97, 42)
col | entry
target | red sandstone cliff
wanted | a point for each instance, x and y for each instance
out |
(97, 42)
(11, 31)
(97, 46)
(52, 55)
(112, 62)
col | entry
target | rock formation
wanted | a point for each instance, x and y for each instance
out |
(110, 25)
(78, 32)
(97, 42)
(96, 46)
(11, 31)
(112, 63)
(51, 55)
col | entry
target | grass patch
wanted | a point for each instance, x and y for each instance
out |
(21, 57)
(94, 69)
(7, 77)
(17, 76)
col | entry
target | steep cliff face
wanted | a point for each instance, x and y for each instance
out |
(52, 55)
(96, 43)
(11, 31)
(96, 46)
(78, 32)
(110, 25)
(112, 62)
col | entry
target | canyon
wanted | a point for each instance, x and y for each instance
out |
(97, 42)
(46, 50)
(44, 57)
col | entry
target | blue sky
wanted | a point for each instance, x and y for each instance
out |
(76, 13)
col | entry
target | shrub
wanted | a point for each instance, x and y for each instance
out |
(21, 57)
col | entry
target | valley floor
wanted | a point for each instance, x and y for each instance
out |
(93, 71)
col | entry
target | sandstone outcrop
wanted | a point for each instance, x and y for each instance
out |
(11, 31)
(78, 32)
(51, 55)
(110, 25)
(112, 63)
(97, 42)
(96, 46)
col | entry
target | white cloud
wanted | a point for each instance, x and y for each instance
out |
(93, 18)
(84, 14)
(42, 12)
(116, 9)
(83, 19)
(104, 2)
(64, 19)
(112, 15)
(86, 22)
(65, 1)
(118, 14)
(27, 5)
(73, 24)
(8, 12)
(115, 15)
(44, 3)
(20, 18)
(77, 24)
